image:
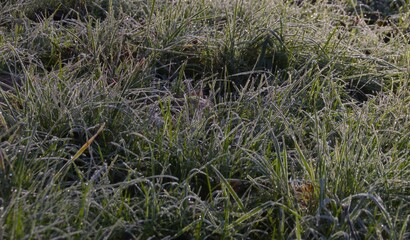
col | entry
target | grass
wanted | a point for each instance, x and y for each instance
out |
(203, 120)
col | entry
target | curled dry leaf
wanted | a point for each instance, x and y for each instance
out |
(303, 192)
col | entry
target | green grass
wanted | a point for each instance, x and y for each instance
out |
(203, 120)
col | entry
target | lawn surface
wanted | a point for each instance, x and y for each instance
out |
(201, 119)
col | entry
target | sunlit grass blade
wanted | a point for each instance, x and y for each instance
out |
(229, 188)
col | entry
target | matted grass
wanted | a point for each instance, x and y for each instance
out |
(259, 119)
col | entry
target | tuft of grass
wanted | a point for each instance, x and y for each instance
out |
(204, 120)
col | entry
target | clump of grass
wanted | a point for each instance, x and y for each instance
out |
(204, 120)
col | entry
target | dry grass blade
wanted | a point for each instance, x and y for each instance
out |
(80, 151)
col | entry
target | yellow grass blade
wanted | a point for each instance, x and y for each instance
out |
(87, 144)
(81, 150)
